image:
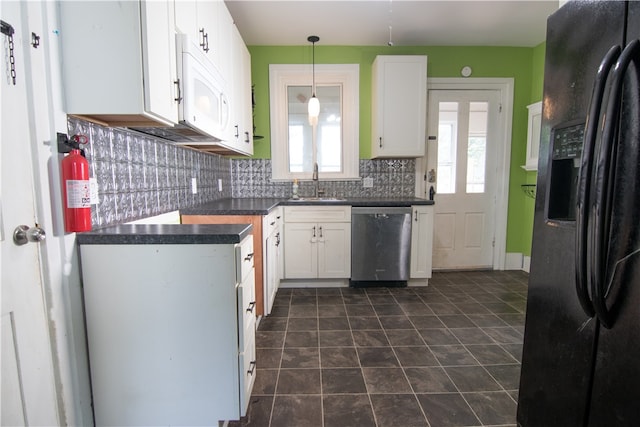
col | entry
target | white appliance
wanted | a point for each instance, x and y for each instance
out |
(204, 110)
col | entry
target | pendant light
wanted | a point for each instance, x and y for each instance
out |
(314, 104)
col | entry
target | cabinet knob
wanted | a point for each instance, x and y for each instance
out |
(249, 257)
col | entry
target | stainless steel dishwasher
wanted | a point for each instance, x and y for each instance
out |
(380, 245)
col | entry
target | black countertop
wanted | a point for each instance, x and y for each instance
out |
(166, 234)
(259, 206)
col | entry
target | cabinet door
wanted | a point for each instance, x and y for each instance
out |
(271, 279)
(334, 250)
(300, 250)
(186, 18)
(421, 242)
(399, 97)
(159, 59)
(533, 136)
(242, 120)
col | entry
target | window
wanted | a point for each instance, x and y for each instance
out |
(335, 145)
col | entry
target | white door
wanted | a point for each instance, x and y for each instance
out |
(28, 392)
(462, 167)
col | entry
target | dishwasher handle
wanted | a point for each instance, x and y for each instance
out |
(381, 211)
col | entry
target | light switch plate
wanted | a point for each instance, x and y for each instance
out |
(219, 184)
(194, 186)
(367, 182)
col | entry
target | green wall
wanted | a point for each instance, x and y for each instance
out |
(537, 82)
(520, 63)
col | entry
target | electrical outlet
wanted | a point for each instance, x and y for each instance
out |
(367, 182)
(93, 188)
(219, 184)
(194, 186)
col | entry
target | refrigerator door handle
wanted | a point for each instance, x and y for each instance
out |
(584, 181)
(604, 180)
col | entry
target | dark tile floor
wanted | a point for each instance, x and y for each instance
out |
(443, 355)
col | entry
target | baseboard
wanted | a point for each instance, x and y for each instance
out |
(526, 263)
(514, 261)
(314, 283)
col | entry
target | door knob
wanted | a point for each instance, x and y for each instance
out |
(24, 234)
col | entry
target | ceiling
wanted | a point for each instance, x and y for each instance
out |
(413, 22)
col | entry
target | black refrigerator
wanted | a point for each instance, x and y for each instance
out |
(581, 352)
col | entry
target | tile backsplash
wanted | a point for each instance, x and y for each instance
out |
(140, 176)
(391, 178)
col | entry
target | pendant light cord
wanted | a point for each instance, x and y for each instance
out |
(313, 40)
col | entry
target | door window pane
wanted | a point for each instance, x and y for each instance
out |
(447, 147)
(477, 146)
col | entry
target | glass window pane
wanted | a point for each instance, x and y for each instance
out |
(477, 146)
(300, 142)
(329, 129)
(447, 147)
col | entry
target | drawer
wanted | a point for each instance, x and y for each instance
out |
(317, 213)
(244, 257)
(272, 221)
(246, 311)
(247, 366)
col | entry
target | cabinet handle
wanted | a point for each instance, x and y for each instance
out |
(415, 217)
(277, 239)
(380, 142)
(253, 367)
(179, 98)
(204, 44)
(246, 137)
(271, 223)
(314, 231)
(252, 304)
(248, 257)
(237, 131)
(320, 231)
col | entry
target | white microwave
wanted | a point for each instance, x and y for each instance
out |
(204, 113)
(204, 105)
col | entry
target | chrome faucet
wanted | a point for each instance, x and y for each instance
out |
(315, 179)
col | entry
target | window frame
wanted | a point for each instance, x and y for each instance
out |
(283, 75)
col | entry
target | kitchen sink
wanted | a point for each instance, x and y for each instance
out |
(317, 199)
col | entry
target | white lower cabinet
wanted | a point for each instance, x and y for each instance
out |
(317, 242)
(171, 332)
(421, 241)
(272, 256)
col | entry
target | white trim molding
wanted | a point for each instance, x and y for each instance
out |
(505, 86)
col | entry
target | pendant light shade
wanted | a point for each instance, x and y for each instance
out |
(314, 103)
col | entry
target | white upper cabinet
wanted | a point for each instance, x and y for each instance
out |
(399, 105)
(119, 61)
(533, 136)
(242, 119)
(208, 23)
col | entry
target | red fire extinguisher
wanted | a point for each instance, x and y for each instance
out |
(75, 188)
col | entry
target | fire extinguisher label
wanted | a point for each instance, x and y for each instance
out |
(78, 194)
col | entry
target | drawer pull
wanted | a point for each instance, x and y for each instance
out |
(253, 367)
(252, 304)
(248, 257)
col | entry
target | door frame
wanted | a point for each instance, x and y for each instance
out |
(505, 119)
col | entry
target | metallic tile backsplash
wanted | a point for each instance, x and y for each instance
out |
(391, 178)
(140, 176)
